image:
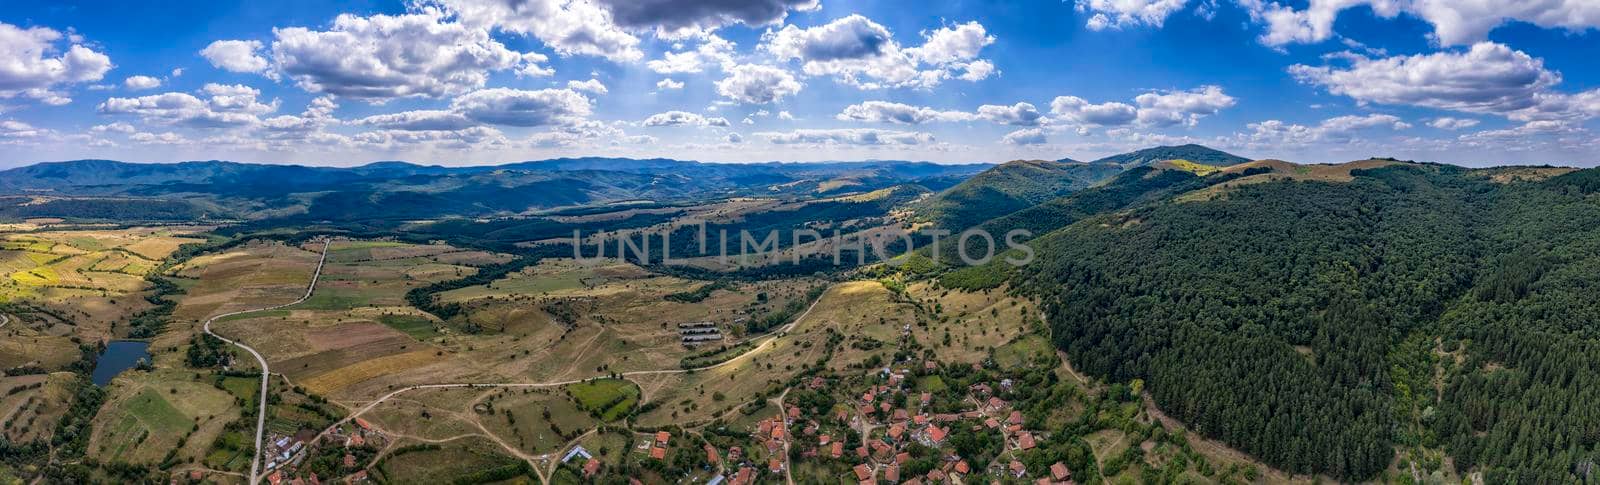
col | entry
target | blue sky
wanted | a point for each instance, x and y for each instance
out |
(460, 82)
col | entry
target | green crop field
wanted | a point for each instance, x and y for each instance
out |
(419, 328)
(611, 398)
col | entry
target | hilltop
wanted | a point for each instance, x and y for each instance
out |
(1191, 152)
(1010, 187)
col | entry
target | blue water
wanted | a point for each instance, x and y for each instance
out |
(120, 355)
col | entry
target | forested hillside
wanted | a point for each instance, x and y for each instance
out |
(1008, 188)
(1191, 152)
(1321, 326)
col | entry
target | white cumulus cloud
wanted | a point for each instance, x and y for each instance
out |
(1116, 14)
(391, 56)
(225, 106)
(1488, 78)
(141, 82)
(680, 118)
(32, 64)
(1079, 111)
(1025, 136)
(1020, 114)
(514, 107)
(569, 27)
(1181, 107)
(859, 52)
(236, 56)
(897, 113)
(669, 84)
(1455, 22)
(847, 136)
(1450, 123)
(758, 84)
(592, 86)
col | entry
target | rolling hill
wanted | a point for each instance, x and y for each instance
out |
(1194, 153)
(1010, 187)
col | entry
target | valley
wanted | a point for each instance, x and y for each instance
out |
(1188, 316)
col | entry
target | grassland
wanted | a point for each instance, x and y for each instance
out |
(962, 326)
(31, 406)
(446, 463)
(355, 329)
(618, 319)
(146, 415)
(89, 279)
(845, 319)
(610, 399)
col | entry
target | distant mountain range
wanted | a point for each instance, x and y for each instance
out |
(967, 194)
(400, 190)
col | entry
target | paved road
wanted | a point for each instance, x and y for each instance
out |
(261, 412)
(771, 337)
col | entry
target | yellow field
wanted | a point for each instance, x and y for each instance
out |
(330, 382)
(91, 277)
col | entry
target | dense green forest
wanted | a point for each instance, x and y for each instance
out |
(1320, 326)
(107, 209)
(1191, 152)
(1008, 188)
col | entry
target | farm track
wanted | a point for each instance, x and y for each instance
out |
(266, 373)
(768, 339)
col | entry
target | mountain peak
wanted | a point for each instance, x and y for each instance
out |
(1192, 152)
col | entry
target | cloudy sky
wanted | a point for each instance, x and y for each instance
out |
(461, 82)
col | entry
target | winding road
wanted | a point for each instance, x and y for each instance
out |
(266, 374)
(768, 339)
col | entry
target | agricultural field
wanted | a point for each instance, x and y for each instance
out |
(88, 279)
(839, 331)
(356, 326)
(148, 414)
(443, 462)
(593, 315)
(32, 405)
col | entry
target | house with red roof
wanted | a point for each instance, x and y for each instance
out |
(863, 472)
(1025, 441)
(1059, 472)
(745, 476)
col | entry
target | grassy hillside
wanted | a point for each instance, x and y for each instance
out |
(1321, 323)
(1008, 188)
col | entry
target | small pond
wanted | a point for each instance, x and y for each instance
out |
(120, 355)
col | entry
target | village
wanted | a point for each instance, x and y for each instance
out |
(888, 432)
